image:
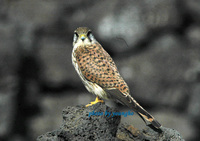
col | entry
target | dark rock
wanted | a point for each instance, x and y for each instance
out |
(51, 106)
(81, 123)
(129, 133)
(167, 134)
(78, 123)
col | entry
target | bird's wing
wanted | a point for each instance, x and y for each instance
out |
(98, 67)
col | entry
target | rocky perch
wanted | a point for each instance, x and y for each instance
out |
(79, 123)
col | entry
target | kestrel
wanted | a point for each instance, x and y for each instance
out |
(100, 75)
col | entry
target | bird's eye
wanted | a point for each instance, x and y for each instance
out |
(75, 37)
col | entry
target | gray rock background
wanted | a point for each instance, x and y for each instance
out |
(155, 44)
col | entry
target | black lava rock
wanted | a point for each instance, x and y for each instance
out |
(86, 123)
(92, 123)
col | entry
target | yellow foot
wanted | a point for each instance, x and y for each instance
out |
(97, 100)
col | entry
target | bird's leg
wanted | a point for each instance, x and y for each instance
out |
(97, 100)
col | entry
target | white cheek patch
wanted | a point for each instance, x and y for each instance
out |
(79, 42)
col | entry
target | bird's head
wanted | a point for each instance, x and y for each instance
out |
(83, 36)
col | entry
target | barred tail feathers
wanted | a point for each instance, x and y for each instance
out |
(148, 117)
(131, 103)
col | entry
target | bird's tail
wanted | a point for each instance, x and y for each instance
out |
(132, 103)
(147, 117)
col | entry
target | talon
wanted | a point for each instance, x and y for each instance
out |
(97, 100)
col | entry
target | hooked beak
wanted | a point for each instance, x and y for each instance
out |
(83, 37)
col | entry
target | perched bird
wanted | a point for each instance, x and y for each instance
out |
(100, 75)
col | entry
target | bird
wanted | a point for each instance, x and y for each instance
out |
(100, 75)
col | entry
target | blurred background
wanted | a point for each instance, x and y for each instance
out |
(154, 43)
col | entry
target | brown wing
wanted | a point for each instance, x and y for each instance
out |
(98, 67)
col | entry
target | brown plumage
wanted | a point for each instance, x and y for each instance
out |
(95, 64)
(100, 75)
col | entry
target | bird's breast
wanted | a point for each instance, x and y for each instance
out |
(90, 86)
